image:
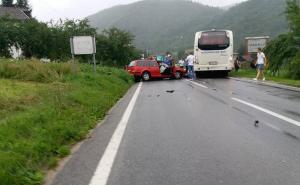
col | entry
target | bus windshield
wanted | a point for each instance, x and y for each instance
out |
(214, 40)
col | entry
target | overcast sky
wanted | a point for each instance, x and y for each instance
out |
(46, 10)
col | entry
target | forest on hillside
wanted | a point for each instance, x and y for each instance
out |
(170, 25)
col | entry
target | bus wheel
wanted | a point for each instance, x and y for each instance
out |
(146, 76)
(225, 73)
(178, 75)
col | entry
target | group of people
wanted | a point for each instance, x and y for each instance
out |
(166, 64)
(190, 60)
(188, 63)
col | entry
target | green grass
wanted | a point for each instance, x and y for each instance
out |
(251, 73)
(45, 109)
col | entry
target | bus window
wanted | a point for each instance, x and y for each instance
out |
(214, 40)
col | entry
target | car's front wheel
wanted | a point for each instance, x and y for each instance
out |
(178, 75)
(146, 76)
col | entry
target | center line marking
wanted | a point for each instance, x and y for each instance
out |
(197, 84)
(104, 167)
(284, 118)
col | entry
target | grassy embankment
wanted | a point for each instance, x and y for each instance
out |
(251, 73)
(45, 109)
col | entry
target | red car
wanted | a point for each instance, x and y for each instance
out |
(151, 69)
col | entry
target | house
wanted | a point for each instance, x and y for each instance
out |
(14, 12)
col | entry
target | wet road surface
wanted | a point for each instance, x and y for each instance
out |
(208, 132)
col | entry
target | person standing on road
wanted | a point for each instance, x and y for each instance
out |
(191, 60)
(260, 65)
(186, 65)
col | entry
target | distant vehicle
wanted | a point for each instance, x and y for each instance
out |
(151, 69)
(213, 51)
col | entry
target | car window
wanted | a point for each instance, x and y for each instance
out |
(154, 64)
(141, 63)
(150, 64)
(132, 64)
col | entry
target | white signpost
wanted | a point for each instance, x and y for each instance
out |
(253, 43)
(83, 45)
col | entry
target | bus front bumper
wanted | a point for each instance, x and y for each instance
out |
(212, 68)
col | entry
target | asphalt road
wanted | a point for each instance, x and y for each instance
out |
(197, 133)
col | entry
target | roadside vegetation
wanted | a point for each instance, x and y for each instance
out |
(251, 73)
(283, 52)
(45, 109)
(52, 40)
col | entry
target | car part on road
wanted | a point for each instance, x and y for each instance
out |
(172, 91)
(256, 123)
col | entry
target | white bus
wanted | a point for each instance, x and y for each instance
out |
(214, 51)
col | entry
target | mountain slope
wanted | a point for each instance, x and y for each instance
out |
(254, 18)
(161, 25)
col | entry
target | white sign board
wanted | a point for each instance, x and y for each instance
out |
(83, 45)
(253, 43)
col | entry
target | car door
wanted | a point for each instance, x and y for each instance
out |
(154, 68)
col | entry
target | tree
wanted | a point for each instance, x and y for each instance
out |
(7, 3)
(293, 15)
(8, 35)
(117, 47)
(22, 3)
(284, 51)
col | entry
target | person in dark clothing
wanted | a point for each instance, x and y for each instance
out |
(168, 62)
(237, 64)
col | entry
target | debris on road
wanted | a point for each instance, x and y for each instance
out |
(256, 123)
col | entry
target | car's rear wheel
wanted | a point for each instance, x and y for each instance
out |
(225, 74)
(178, 75)
(137, 78)
(146, 76)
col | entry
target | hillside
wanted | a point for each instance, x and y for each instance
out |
(158, 24)
(161, 25)
(247, 19)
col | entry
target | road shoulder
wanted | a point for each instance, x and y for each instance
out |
(267, 83)
(79, 167)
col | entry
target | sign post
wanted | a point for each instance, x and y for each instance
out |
(253, 43)
(83, 45)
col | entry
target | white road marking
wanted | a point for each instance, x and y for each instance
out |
(104, 167)
(284, 118)
(273, 127)
(197, 84)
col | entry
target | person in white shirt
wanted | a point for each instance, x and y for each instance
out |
(190, 60)
(181, 63)
(260, 64)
